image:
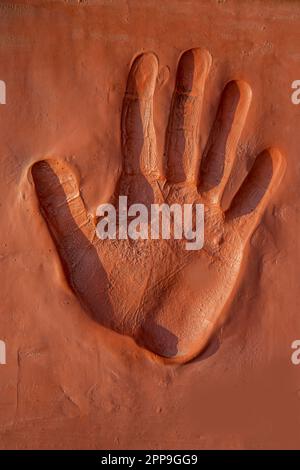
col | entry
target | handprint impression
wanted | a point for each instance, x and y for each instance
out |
(168, 299)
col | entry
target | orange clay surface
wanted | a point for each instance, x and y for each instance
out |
(143, 344)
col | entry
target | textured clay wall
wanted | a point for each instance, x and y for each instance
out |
(144, 344)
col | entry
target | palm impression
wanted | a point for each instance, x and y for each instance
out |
(168, 299)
